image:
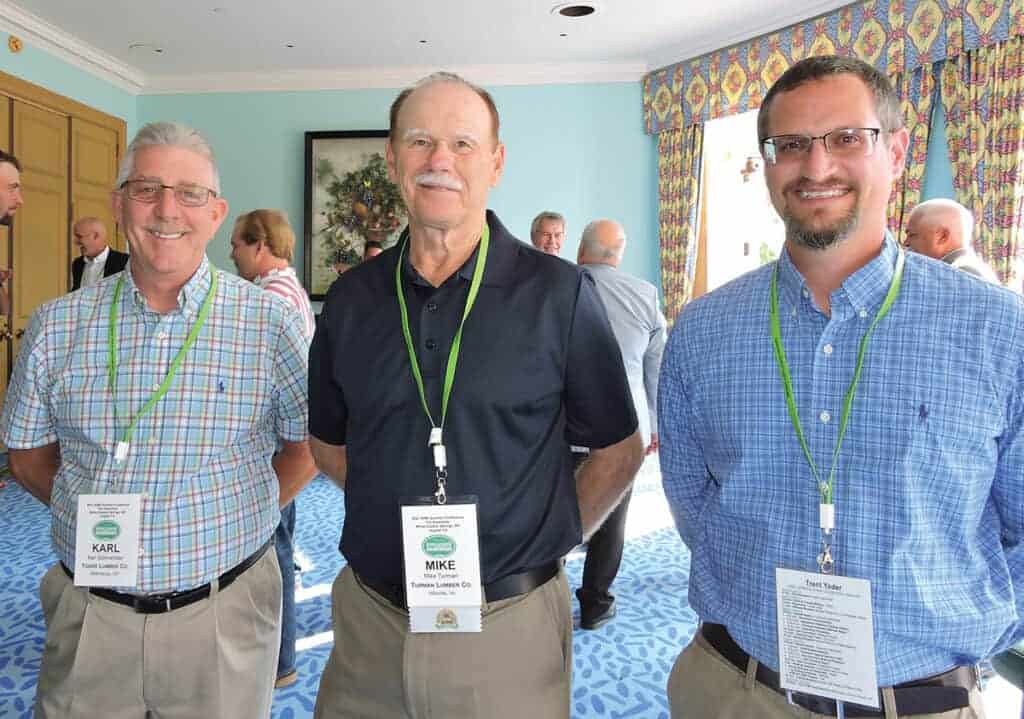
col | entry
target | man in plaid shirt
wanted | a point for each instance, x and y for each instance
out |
(162, 391)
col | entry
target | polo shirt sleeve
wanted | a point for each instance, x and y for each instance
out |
(328, 412)
(290, 365)
(27, 421)
(598, 404)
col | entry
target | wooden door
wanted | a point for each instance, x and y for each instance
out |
(41, 227)
(94, 157)
(5, 254)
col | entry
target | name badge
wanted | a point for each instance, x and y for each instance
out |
(826, 636)
(441, 551)
(107, 540)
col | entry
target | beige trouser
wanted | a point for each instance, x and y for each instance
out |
(704, 685)
(519, 666)
(214, 658)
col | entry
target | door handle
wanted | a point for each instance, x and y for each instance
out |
(18, 333)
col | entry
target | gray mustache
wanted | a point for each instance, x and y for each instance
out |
(438, 179)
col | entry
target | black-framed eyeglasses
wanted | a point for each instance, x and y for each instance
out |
(844, 142)
(148, 191)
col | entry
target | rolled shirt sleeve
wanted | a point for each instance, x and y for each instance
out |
(27, 421)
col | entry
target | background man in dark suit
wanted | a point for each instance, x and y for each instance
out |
(97, 260)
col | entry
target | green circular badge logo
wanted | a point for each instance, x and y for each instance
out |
(106, 530)
(439, 545)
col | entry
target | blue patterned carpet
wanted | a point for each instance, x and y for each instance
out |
(620, 670)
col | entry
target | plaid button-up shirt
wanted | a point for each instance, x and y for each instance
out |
(201, 457)
(929, 489)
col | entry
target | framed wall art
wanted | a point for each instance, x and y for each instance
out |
(353, 210)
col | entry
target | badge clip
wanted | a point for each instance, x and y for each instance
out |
(121, 452)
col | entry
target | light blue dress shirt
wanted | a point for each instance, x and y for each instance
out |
(929, 490)
(201, 458)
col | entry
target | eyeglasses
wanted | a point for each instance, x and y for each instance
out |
(148, 191)
(844, 142)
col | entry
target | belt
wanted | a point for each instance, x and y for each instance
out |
(510, 586)
(931, 695)
(161, 603)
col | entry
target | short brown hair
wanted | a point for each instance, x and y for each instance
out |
(432, 79)
(269, 227)
(887, 102)
(10, 159)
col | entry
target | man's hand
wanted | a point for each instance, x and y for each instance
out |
(604, 478)
(35, 469)
(652, 448)
(295, 469)
(331, 459)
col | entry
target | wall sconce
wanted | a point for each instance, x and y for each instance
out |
(750, 167)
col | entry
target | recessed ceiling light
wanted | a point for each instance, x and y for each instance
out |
(423, 42)
(145, 47)
(563, 34)
(574, 9)
(289, 44)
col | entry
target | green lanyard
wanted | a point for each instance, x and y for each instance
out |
(440, 459)
(121, 452)
(827, 512)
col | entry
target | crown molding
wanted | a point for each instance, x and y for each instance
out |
(394, 77)
(69, 48)
(673, 55)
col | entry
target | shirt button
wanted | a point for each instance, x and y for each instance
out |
(160, 336)
(862, 313)
(825, 416)
(156, 386)
(430, 344)
(827, 349)
(432, 307)
(805, 293)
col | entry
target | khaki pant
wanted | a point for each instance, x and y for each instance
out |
(519, 666)
(704, 685)
(214, 658)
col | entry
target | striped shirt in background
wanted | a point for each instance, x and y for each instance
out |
(285, 284)
(929, 489)
(201, 457)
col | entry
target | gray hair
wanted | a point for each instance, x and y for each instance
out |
(593, 247)
(546, 215)
(167, 134)
(941, 207)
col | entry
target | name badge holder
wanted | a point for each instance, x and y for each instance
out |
(440, 534)
(825, 630)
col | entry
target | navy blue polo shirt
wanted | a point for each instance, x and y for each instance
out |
(539, 370)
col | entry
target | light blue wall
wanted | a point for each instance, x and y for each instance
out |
(577, 149)
(41, 68)
(938, 170)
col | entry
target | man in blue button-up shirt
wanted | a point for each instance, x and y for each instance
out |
(928, 490)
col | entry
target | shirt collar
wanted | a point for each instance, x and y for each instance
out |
(101, 257)
(191, 295)
(465, 272)
(273, 273)
(864, 289)
(955, 255)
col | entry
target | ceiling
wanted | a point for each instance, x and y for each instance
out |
(209, 45)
